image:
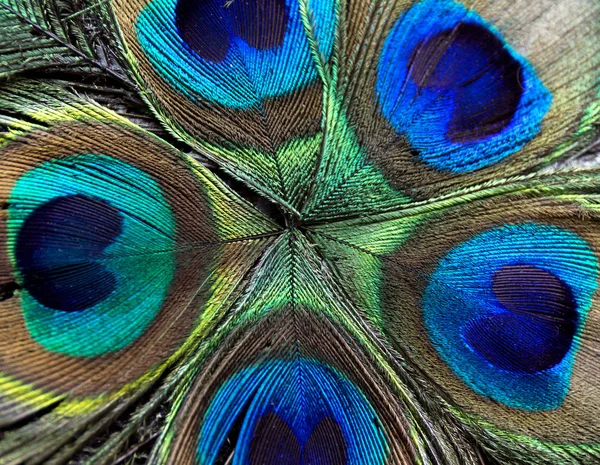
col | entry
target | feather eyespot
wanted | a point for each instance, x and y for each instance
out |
(336, 425)
(462, 97)
(77, 250)
(236, 55)
(115, 248)
(504, 309)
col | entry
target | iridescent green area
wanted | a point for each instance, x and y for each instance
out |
(356, 248)
(349, 184)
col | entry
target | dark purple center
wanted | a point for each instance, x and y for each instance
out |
(209, 26)
(537, 329)
(472, 65)
(275, 443)
(57, 250)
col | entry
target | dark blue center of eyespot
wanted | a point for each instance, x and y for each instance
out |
(208, 26)
(537, 329)
(57, 252)
(484, 78)
(326, 445)
(274, 442)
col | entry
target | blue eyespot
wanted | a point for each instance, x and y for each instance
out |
(505, 310)
(236, 54)
(292, 412)
(450, 84)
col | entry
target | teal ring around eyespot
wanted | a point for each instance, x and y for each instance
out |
(141, 258)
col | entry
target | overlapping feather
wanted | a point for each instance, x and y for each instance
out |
(424, 292)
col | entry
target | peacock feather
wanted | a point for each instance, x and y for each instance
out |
(299, 232)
